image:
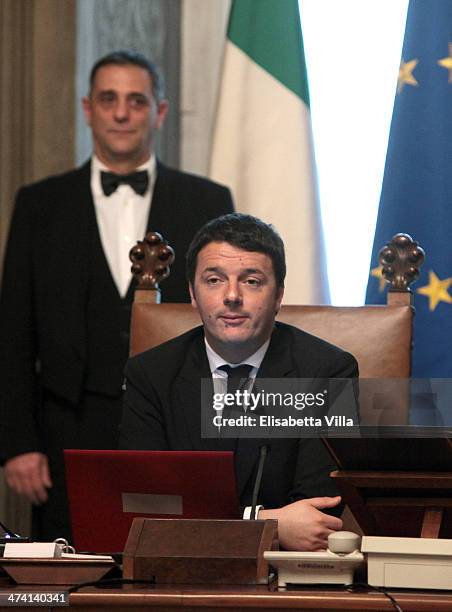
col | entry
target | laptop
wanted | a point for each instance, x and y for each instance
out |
(107, 489)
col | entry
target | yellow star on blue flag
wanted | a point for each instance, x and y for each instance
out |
(436, 290)
(378, 273)
(446, 62)
(406, 74)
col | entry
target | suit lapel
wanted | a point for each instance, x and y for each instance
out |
(187, 395)
(277, 363)
(75, 225)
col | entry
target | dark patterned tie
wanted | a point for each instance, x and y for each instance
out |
(237, 377)
(237, 380)
(139, 181)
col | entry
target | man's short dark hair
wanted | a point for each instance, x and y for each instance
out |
(244, 232)
(125, 57)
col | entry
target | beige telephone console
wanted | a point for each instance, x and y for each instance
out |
(413, 563)
(332, 566)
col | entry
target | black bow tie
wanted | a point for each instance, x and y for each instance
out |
(139, 181)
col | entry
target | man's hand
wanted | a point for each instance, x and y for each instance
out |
(28, 475)
(302, 525)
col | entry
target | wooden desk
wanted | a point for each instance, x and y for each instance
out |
(235, 599)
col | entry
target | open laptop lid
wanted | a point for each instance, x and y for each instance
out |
(108, 489)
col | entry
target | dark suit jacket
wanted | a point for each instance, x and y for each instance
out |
(42, 303)
(162, 410)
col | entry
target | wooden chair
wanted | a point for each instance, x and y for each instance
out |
(380, 337)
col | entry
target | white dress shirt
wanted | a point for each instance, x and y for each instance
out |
(122, 219)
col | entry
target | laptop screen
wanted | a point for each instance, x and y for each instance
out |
(108, 489)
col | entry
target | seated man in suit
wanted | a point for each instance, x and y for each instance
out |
(67, 287)
(236, 269)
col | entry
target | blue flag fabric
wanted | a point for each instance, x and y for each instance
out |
(416, 196)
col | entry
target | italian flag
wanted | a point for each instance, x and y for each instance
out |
(262, 144)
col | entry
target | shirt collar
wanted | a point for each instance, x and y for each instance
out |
(255, 360)
(97, 166)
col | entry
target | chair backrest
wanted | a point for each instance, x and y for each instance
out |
(378, 336)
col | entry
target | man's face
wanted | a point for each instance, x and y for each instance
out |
(237, 297)
(123, 114)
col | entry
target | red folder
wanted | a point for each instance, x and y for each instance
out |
(107, 489)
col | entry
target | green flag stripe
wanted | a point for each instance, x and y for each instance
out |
(269, 32)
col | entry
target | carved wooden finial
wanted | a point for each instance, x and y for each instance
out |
(151, 259)
(400, 260)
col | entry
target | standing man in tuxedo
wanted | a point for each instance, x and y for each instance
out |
(236, 269)
(67, 290)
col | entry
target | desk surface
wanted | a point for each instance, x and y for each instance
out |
(233, 599)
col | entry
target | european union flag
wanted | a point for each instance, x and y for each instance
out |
(416, 196)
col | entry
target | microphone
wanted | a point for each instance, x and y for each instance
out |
(263, 451)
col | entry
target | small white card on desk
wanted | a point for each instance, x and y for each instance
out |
(86, 557)
(32, 550)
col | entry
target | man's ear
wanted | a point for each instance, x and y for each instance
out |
(86, 105)
(279, 297)
(192, 296)
(162, 111)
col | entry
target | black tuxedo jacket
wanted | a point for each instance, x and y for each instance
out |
(162, 410)
(45, 283)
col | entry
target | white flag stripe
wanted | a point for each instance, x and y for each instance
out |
(262, 149)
